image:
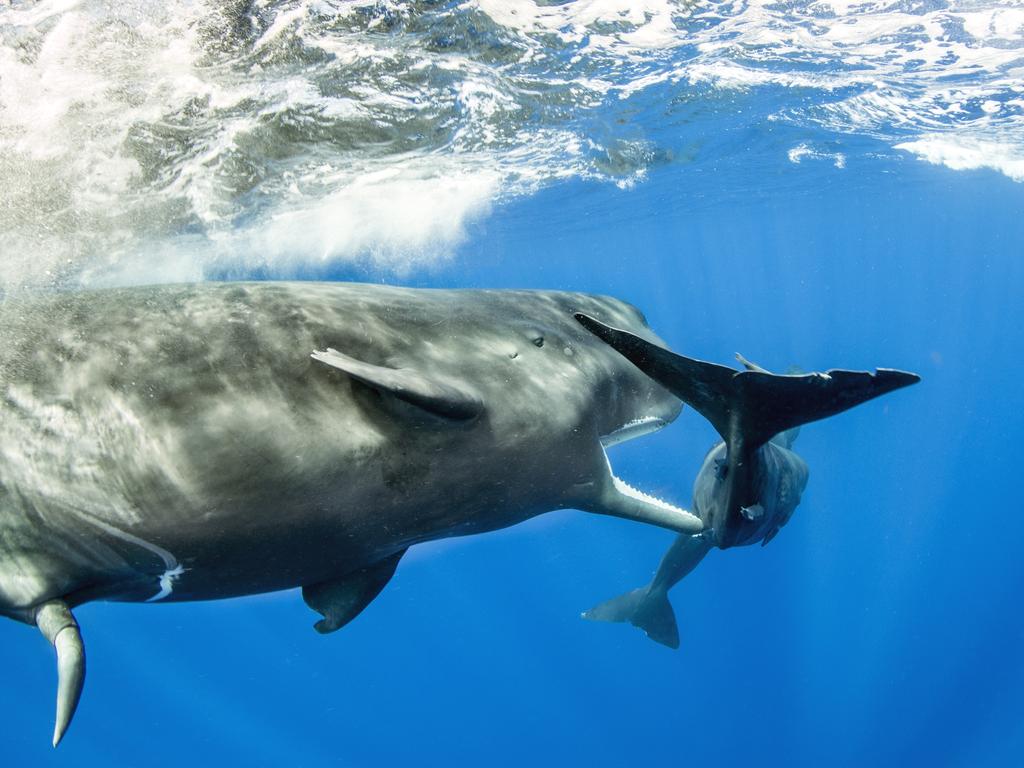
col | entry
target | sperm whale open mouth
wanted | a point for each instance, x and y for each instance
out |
(629, 431)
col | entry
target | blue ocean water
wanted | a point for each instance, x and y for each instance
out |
(882, 626)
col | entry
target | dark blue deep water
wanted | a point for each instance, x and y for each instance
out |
(882, 627)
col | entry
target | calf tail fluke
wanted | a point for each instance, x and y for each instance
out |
(58, 625)
(645, 608)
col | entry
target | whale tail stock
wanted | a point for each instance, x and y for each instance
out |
(58, 625)
(647, 608)
(747, 408)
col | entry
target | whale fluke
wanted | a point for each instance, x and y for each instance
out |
(747, 408)
(751, 405)
(646, 608)
(58, 625)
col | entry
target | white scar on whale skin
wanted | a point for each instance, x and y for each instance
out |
(172, 568)
(167, 583)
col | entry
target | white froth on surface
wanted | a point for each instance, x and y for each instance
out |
(149, 140)
(395, 217)
(802, 152)
(598, 24)
(967, 154)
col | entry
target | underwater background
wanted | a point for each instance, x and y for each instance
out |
(821, 184)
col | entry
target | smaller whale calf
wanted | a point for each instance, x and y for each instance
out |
(751, 482)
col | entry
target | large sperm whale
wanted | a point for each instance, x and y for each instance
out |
(197, 442)
(750, 483)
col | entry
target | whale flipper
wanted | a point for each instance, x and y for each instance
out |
(750, 406)
(646, 608)
(341, 600)
(439, 398)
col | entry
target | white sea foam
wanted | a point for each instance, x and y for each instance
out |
(151, 140)
(802, 152)
(968, 153)
(398, 218)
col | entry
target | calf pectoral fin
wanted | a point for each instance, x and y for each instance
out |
(341, 600)
(440, 398)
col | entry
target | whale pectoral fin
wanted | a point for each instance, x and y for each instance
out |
(440, 398)
(749, 365)
(341, 600)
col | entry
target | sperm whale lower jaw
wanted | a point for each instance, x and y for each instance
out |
(620, 499)
(635, 493)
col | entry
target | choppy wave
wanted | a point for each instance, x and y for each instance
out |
(147, 140)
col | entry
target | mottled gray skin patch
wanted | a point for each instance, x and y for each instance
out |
(779, 477)
(190, 422)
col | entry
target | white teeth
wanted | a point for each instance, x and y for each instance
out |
(628, 490)
(631, 429)
(625, 488)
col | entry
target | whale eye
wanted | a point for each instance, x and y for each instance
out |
(538, 341)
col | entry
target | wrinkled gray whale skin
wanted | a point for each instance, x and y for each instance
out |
(196, 442)
(750, 483)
